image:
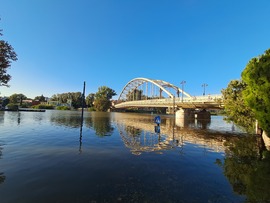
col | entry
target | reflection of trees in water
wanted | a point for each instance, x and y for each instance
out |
(2, 176)
(19, 117)
(101, 124)
(73, 121)
(247, 168)
(2, 117)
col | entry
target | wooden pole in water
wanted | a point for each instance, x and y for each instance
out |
(83, 96)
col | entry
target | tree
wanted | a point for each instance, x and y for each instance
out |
(105, 92)
(257, 92)
(5, 101)
(90, 100)
(75, 97)
(16, 98)
(40, 98)
(102, 98)
(102, 104)
(7, 55)
(235, 107)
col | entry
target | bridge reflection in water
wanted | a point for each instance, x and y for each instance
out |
(138, 133)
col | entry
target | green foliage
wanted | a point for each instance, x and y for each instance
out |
(13, 107)
(43, 106)
(102, 98)
(105, 92)
(257, 93)
(102, 104)
(75, 97)
(246, 170)
(5, 102)
(90, 100)
(25, 105)
(40, 98)
(17, 98)
(7, 55)
(236, 109)
(62, 108)
(102, 125)
(91, 109)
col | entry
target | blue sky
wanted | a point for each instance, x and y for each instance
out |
(61, 43)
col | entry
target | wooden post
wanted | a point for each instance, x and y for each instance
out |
(258, 130)
(83, 95)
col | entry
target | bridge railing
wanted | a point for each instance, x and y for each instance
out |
(147, 102)
(172, 101)
(209, 98)
(206, 98)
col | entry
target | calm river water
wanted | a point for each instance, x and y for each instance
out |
(113, 157)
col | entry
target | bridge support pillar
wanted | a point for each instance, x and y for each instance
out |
(183, 117)
(170, 110)
(203, 114)
(184, 113)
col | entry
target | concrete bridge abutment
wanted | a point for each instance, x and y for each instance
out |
(203, 114)
(184, 114)
(191, 114)
(183, 117)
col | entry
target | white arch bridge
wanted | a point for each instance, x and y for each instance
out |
(144, 92)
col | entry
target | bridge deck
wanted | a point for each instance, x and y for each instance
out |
(205, 102)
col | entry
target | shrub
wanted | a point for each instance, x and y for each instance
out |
(91, 109)
(62, 108)
(13, 107)
(42, 106)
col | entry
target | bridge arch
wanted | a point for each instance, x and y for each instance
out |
(135, 83)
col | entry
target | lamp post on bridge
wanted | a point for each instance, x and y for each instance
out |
(182, 83)
(204, 85)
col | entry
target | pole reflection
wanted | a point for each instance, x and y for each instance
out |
(2, 176)
(80, 140)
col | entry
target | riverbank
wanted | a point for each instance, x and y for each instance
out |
(25, 109)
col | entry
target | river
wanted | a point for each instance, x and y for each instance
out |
(54, 156)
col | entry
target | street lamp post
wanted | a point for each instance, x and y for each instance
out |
(204, 85)
(182, 83)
